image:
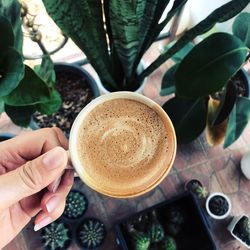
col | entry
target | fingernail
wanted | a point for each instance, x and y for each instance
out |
(56, 184)
(52, 204)
(44, 222)
(54, 158)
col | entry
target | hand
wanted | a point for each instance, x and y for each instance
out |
(33, 180)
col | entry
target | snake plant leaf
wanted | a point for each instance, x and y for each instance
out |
(226, 105)
(46, 71)
(209, 65)
(1, 106)
(52, 105)
(168, 81)
(11, 70)
(221, 14)
(31, 90)
(82, 21)
(238, 120)
(215, 134)
(241, 28)
(6, 34)
(21, 116)
(188, 117)
(10, 9)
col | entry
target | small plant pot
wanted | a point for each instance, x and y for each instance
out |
(90, 234)
(232, 228)
(196, 187)
(218, 206)
(56, 236)
(76, 205)
(245, 165)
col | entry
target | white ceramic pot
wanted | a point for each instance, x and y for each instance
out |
(140, 68)
(245, 165)
(231, 227)
(218, 217)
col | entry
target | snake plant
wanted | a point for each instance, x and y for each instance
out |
(115, 34)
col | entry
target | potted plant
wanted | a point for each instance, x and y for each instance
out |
(76, 205)
(56, 236)
(239, 228)
(90, 233)
(115, 35)
(22, 90)
(212, 90)
(196, 187)
(218, 205)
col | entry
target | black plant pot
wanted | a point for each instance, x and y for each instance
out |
(76, 104)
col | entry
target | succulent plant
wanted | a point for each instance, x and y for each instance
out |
(76, 205)
(91, 233)
(56, 236)
(201, 191)
(168, 244)
(243, 230)
(140, 240)
(155, 229)
(218, 205)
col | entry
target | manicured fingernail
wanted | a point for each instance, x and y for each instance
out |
(54, 158)
(55, 184)
(44, 222)
(52, 204)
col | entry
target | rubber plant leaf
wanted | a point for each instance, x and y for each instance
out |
(31, 90)
(11, 70)
(82, 21)
(241, 28)
(188, 117)
(168, 81)
(215, 134)
(226, 104)
(10, 9)
(209, 65)
(1, 106)
(238, 120)
(221, 14)
(20, 115)
(6, 34)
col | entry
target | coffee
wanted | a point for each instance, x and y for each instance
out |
(123, 146)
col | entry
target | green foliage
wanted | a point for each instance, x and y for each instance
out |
(55, 236)
(214, 73)
(155, 230)
(22, 91)
(140, 240)
(168, 244)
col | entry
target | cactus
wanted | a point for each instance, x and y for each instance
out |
(140, 240)
(56, 236)
(243, 231)
(91, 233)
(76, 205)
(200, 191)
(155, 230)
(168, 244)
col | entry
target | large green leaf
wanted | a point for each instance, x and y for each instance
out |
(20, 115)
(188, 117)
(1, 106)
(31, 90)
(241, 28)
(6, 34)
(168, 81)
(52, 105)
(209, 65)
(82, 21)
(238, 120)
(11, 10)
(46, 71)
(221, 14)
(11, 71)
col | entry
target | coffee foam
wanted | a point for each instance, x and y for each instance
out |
(123, 146)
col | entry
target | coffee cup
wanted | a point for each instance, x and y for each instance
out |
(122, 144)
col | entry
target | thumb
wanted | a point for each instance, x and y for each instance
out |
(31, 177)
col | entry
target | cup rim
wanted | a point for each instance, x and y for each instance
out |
(88, 108)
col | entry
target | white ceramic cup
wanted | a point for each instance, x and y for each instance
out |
(77, 164)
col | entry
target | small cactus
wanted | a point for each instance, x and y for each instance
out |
(56, 236)
(243, 231)
(200, 191)
(76, 205)
(140, 240)
(168, 244)
(91, 233)
(155, 230)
